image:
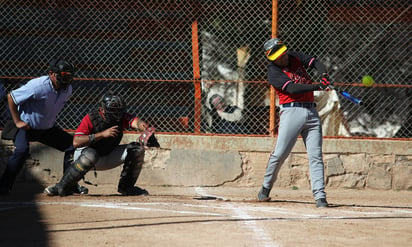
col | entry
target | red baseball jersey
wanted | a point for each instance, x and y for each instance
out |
(295, 72)
(86, 127)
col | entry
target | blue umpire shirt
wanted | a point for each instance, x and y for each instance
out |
(39, 103)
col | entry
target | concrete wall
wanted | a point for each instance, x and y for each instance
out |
(240, 161)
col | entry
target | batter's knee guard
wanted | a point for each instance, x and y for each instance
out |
(132, 167)
(88, 158)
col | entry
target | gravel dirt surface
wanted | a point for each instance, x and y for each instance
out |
(204, 216)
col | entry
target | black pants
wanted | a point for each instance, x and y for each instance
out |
(53, 137)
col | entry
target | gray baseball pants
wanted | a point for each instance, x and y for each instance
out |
(295, 121)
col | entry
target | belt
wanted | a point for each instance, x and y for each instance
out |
(300, 104)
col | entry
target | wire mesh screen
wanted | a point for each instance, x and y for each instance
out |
(150, 52)
(355, 39)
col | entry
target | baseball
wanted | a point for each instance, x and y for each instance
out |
(368, 81)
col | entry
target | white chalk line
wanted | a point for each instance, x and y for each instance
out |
(224, 206)
(260, 235)
(127, 206)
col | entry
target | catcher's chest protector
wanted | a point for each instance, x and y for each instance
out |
(106, 145)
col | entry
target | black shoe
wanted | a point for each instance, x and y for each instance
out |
(263, 195)
(52, 190)
(78, 189)
(133, 191)
(322, 203)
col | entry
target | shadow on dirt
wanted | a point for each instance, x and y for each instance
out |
(21, 223)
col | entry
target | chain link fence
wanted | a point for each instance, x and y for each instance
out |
(171, 59)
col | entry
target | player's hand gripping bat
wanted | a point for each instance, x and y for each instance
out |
(347, 95)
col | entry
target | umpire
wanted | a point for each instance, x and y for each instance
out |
(34, 108)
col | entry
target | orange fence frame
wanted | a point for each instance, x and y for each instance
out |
(196, 76)
(272, 119)
(197, 80)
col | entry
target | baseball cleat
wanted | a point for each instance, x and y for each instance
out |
(263, 195)
(78, 189)
(322, 203)
(133, 191)
(52, 190)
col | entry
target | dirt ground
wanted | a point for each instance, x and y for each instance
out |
(204, 216)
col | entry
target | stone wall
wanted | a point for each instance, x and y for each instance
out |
(241, 161)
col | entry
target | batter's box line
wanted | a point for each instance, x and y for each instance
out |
(232, 219)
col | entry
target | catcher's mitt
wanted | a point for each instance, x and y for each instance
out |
(148, 139)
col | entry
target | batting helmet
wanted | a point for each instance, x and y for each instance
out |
(114, 106)
(64, 70)
(274, 48)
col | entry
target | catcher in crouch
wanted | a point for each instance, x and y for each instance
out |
(97, 142)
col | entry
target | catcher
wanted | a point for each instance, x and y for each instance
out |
(97, 142)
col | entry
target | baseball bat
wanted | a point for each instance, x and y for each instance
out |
(347, 95)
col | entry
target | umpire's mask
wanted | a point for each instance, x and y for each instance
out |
(64, 72)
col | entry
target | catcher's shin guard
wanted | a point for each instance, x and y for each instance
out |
(68, 158)
(67, 162)
(75, 172)
(131, 168)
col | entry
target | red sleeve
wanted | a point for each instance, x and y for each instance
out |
(85, 127)
(128, 120)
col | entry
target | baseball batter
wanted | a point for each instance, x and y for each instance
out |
(287, 73)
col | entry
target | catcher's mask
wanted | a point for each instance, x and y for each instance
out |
(113, 106)
(64, 72)
(274, 48)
